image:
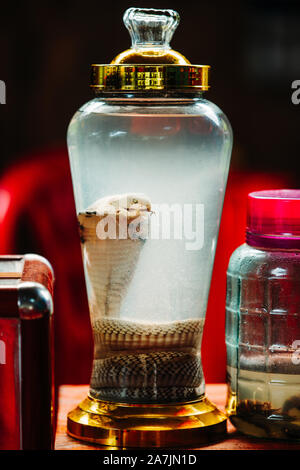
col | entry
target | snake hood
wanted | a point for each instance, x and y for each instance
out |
(129, 204)
(112, 250)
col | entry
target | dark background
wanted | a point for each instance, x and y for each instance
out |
(253, 48)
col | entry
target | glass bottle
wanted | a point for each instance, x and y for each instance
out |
(263, 319)
(149, 159)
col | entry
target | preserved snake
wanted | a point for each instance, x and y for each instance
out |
(135, 361)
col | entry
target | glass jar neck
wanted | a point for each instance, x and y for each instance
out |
(153, 99)
(273, 242)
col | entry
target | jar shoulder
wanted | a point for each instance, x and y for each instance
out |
(193, 108)
(248, 261)
(199, 119)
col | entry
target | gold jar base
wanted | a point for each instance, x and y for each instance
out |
(122, 425)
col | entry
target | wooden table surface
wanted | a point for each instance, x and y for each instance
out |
(71, 395)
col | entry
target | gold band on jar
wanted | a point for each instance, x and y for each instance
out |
(141, 77)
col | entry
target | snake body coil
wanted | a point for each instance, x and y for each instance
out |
(147, 362)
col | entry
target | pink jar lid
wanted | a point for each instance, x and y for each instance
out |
(273, 219)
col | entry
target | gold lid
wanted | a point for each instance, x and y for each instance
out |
(150, 65)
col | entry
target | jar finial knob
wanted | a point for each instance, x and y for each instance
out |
(149, 27)
(151, 32)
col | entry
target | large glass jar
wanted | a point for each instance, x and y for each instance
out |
(263, 319)
(149, 159)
